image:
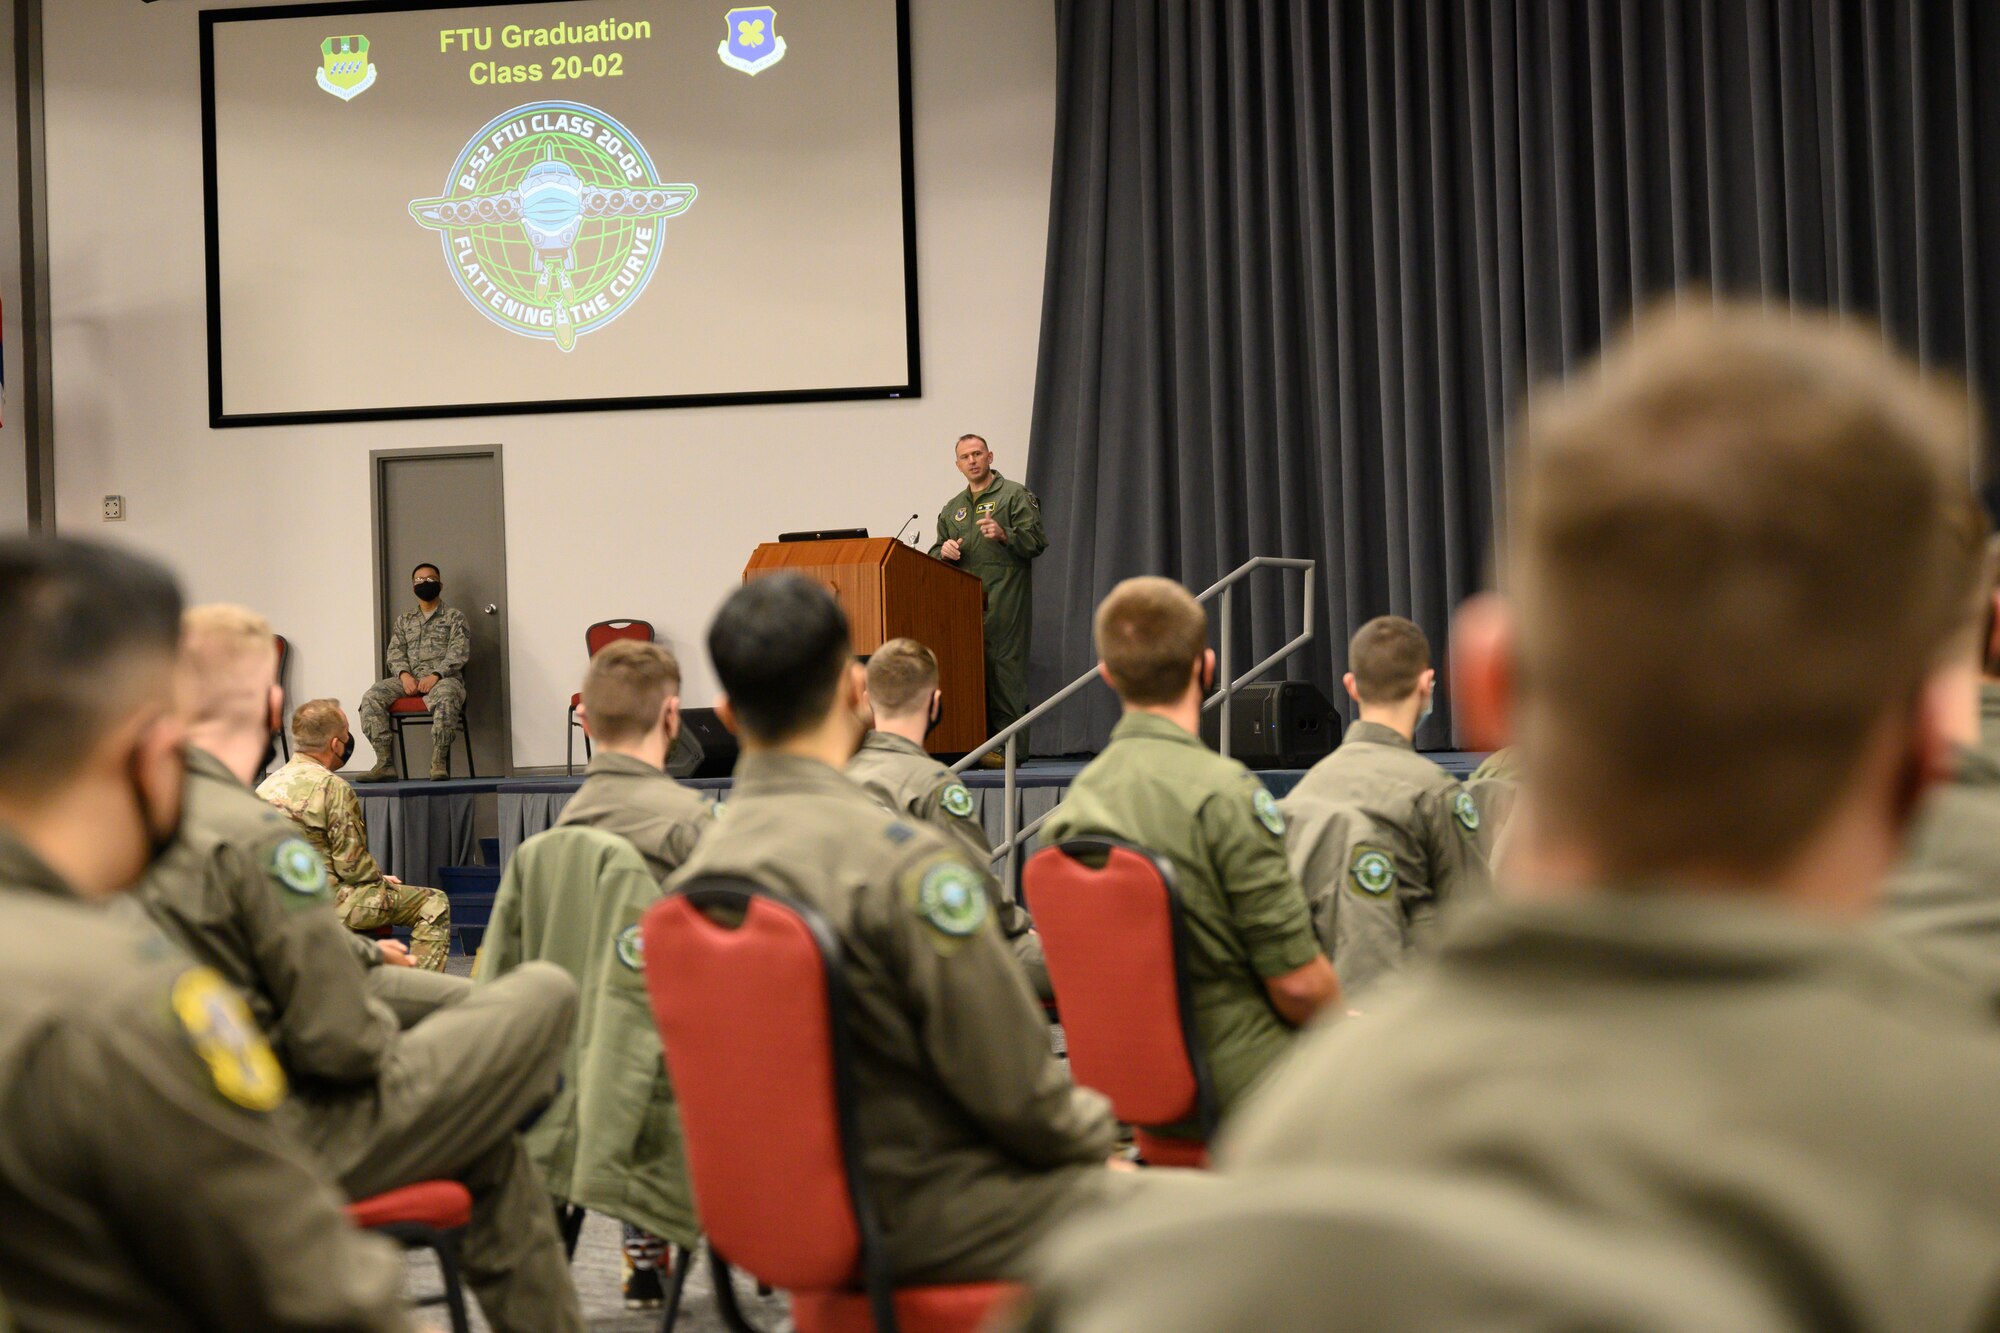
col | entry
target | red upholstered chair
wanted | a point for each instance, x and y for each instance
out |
(752, 1018)
(594, 639)
(1110, 919)
(430, 1215)
(415, 710)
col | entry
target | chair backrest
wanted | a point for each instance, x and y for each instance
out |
(610, 631)
(749, 998)
(284, 655)
(1110, 919)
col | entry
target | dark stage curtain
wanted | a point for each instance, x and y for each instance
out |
(1305, 258)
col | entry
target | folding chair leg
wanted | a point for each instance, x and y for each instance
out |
(402, 755)
(454, 1288)
(683, 1260)
(725, 1295)
(470, 771)
(569, 746)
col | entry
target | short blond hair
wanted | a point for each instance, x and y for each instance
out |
(316, 722)
(902, 673)
(1737, 543)
(1387, 656)
(629, 681)
(1150, 632)
(228, 664)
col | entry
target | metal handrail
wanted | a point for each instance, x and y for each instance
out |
(1225, 587)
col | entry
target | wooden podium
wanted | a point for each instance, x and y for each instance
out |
(891, 591)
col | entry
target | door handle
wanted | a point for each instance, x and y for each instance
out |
(492, 609)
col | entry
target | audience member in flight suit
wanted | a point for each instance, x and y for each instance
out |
(1378, 884)
(973, 1139)
(241, 891)
(905, 701)
(1255, 972)
(1677, 1030)
(147, 1180)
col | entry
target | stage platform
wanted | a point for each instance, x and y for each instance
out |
(416, 828)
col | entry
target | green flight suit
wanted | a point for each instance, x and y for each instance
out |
(1382, 883)
(1158, 787)
(974, 1142)
(641, 804)
(1787, 1096)
(1944, 899)
(611, 1139)
(1005, 570)
(242, 892)
(145, 1182)
(902, 775)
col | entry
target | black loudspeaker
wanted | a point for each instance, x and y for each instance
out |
(1276, 724)
(704, 749)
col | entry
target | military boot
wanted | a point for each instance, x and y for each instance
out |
(384, 771)
(440, 763)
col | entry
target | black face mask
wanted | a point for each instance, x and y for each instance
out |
(428, 590)
(343, 753)
(937, 715)
(160, 835)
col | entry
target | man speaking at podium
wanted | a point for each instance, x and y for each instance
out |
(993, 528)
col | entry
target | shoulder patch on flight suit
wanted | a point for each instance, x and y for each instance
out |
(952, 900)
(1267, 811)
(1372, 871)
(1032, 500)
(219, 1026)
(1466, 810)
(297, 867)
(958, 800)
(631, 950)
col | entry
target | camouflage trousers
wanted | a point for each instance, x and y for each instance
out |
(427, 913)
(447, 701)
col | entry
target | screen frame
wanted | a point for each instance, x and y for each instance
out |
(219, 418)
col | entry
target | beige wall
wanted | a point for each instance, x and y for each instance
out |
(628, 513)
(13, 440)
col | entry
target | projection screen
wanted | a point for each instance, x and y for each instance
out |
(432, 210)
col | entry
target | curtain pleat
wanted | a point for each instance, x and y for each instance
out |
(1307, 260)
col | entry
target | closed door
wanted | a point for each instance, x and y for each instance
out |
(445, 507)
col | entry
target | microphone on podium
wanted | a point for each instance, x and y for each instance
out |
(906, 525)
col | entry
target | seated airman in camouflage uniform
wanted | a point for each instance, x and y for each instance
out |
(428, 650)
(329, 814)
(893, 765)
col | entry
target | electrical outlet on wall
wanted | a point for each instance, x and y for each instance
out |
(114, 509)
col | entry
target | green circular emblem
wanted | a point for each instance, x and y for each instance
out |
(1268, 812)
(958, 800)
(298, 867)
(1374, 872)
(953, 900)
(630, 951)
(1466, 809)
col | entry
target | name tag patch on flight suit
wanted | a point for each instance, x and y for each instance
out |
(1268, 812)
(296, 866)
(958, 800)
(631, 951)
(1373, 871)
(1466, 810)
(239, 1061)
(985, 510)
(952, 900)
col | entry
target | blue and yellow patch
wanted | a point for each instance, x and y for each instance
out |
(959, 517)
(223, 1034)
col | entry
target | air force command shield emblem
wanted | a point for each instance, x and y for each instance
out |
(345, 70)
(753, 44)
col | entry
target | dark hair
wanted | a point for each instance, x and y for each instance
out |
(75, 617)
(431, 567)
(1387, 655)
(779, 645)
